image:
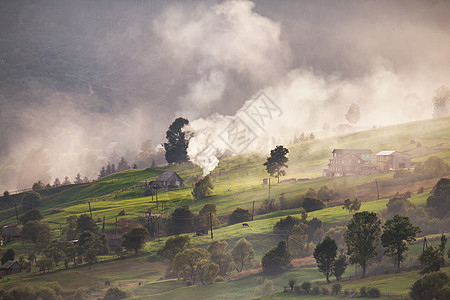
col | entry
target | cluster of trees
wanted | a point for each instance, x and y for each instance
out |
(362, 237)
(196, 265)
(433, 167)
(111, 168)
(49, 290)
(303, 137)
(202, 188)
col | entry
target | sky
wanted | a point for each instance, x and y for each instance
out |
(113, 74)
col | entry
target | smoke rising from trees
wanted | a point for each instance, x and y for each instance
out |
(89, 82)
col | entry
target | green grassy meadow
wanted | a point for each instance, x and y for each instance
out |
(237, 183)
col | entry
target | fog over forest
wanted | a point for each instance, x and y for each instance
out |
(87, 82)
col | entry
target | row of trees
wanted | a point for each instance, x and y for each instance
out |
(111, 168)
(199, 265)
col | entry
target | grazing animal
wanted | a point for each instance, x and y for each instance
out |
(245, 225)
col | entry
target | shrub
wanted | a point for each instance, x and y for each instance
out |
(46, 293)
(336, 288)
(188, 282)
(239, 215)
(420, 190)
(267, 287)
(114, 293)
(315, 290)
(219, 279)
(312, 203)
(297, 290)
(276, 258)
(325, 291)
(363, 291)
(373, 292)
(286, 224)
(306, 287)
(80, 294)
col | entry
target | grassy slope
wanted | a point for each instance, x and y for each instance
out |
(237, 182)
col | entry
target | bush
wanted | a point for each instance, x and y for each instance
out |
(315, 290)
(297, 290)
(276, 258)
(267, 287)
(373, 292)
(80, 294)
(219, 279)
(286, 224)
(336, 288)
(363, 291)
(420, 190)
(306, 287)
(114, 293)
(325, 291)
(239, 215)
(313, 203)
(46, 293)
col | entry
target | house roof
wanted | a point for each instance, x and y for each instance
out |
(167, 175)
(9, 264)
(367, 151)
(386, 152)
(389, 152)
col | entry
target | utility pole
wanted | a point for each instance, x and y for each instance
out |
(269, 188)
(211, 225)
(103, 228)
(17, 216)
(156, 191)
(253, 209)
(60, 230)
(287, 239)
(90, 211)
(115, 235)
(378, 193)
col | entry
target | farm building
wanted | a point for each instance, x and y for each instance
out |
(393, 160)
(350, 162)
(167, 180)
(11, 232)
(10, 267)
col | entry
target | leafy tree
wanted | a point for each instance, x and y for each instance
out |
(177, 142)
(33, 229)
(173, 246)
(336, 288)
(33, 214)
(114, 293)
(37, 186)
(286, 224)
(313, 203)
(439, 201)
(277, 161)
(85, 223)
(66, 180)
(219, 256)
(431, 286)
(188, 263)
(78, 179)
(433, 167)
(31, 200)
(325, 255)
(239, 215)
(9, 255)
(431, 259)
(441, 102)
(204, 213)
(123, 165)
(353, 114)
(242, 254)
(5, 195)
(71, 253)
(276, 258)
(292, 283)
(202, 188)
(397, 233)
(56, 182)
(350, 205)
(325, 194)
(398, 205)
(70, 230)
(135, 239)
(181, 221)
(361, 237)
(298, 240)
(340, 264)
(91, 256)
